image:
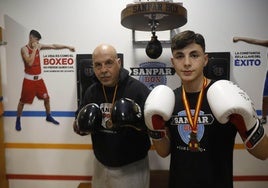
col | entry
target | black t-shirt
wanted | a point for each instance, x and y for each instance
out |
(212, 164)
(127, 145)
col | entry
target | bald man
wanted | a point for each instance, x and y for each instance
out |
(121, 155)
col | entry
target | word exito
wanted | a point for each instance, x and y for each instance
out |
(247, 59)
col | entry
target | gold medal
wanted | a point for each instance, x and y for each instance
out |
(193, 143)
(109, 124)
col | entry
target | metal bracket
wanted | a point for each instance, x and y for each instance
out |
(145, 42)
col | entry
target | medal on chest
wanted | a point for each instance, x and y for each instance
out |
(108, 121)
(193, 144)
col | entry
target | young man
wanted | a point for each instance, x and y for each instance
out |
(198, 122)
(121, 153)
(33, 84)
(263, 43)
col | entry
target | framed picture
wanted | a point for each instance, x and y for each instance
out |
(218, 66)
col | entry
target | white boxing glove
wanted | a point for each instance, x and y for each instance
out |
(158, 109)
(228, 102)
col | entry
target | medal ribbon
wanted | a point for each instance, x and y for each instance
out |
(104, 92)
(108, 122)
(193, 120)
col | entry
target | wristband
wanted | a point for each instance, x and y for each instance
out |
(256, 136)
(156, 135)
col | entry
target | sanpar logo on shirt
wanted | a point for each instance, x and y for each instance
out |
(184, 128)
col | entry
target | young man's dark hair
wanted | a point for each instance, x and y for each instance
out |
(185, 38)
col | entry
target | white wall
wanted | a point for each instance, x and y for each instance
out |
(50, 151)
